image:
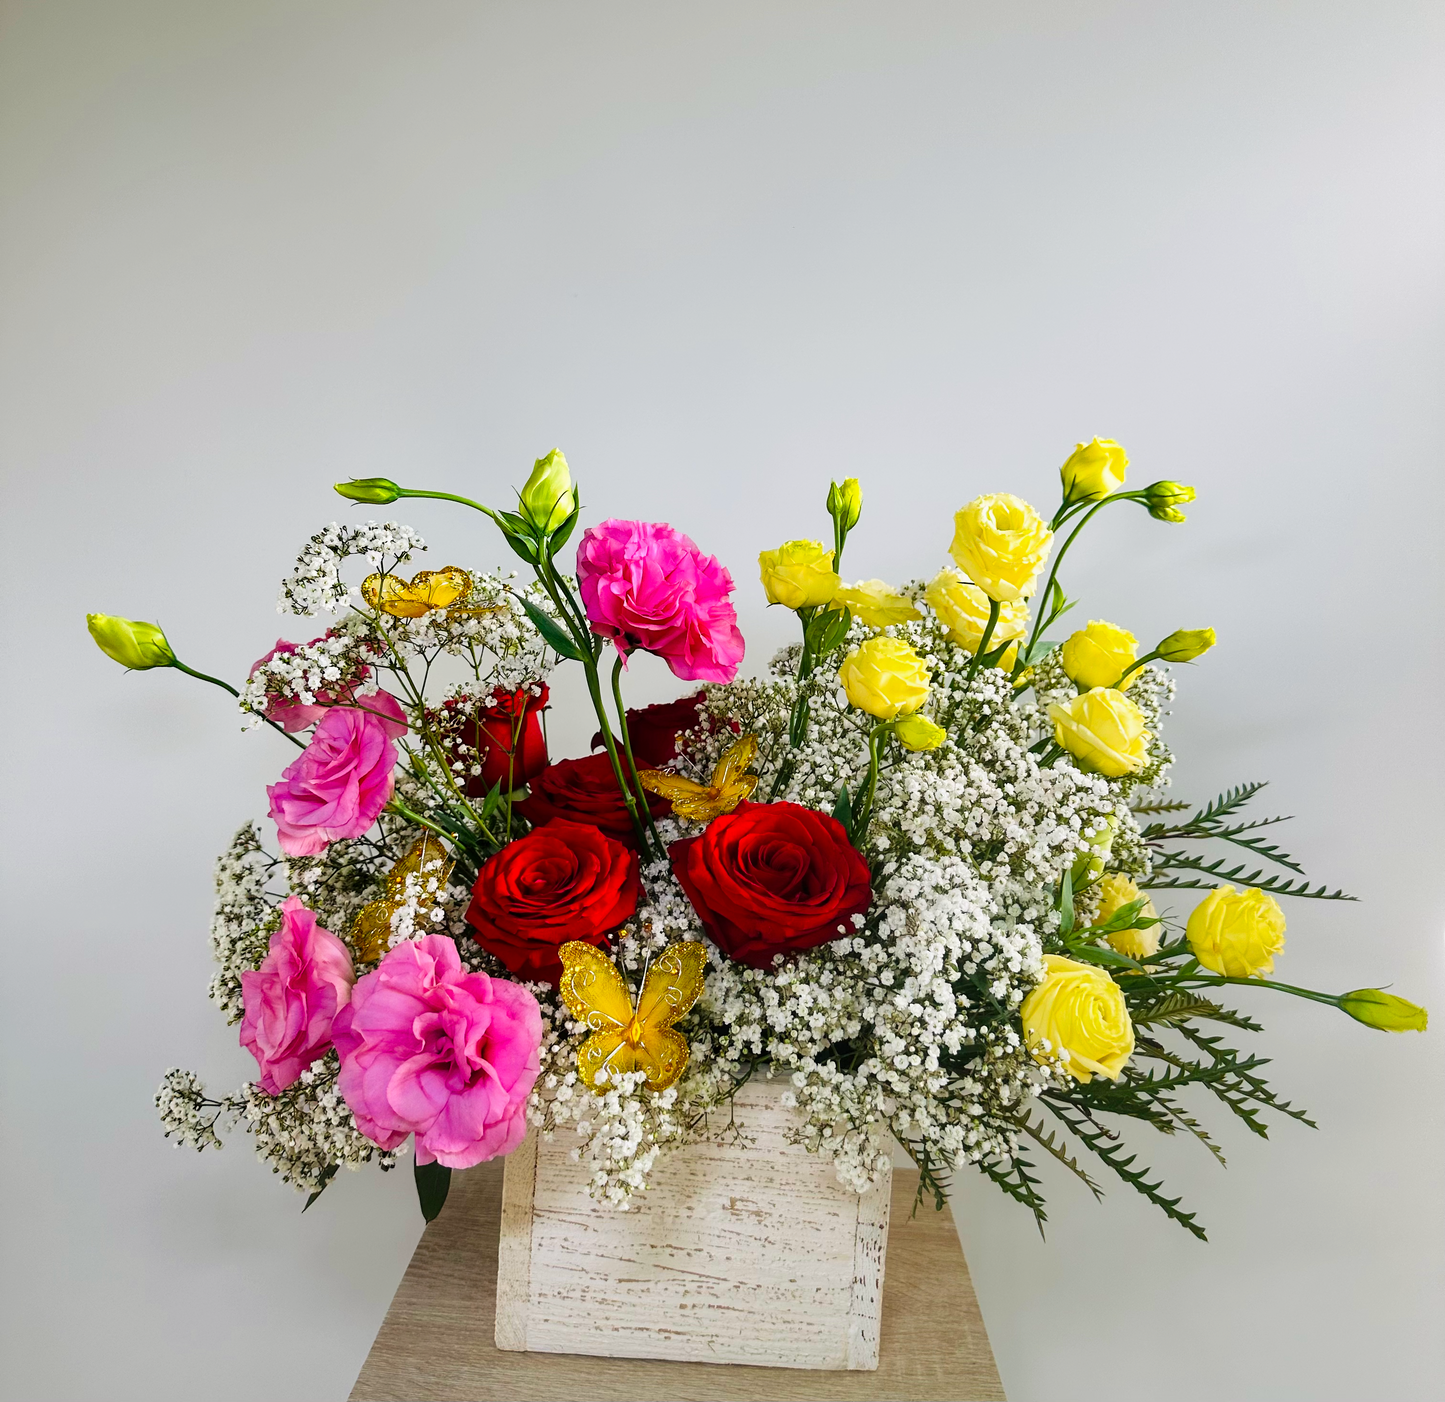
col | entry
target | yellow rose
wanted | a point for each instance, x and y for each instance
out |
(885, 677)
(1078, 1013)
(1115, 892)
(917, 732)
(1093, 470)
(1001, 543)
(1237, 933)
(799, 574)
(1104, 730)
(963, 610)
(139, 646)
(1098, 654)
(875, 604)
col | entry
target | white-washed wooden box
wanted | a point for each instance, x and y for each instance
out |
(736, 1253)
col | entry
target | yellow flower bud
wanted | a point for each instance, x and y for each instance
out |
(799, 574)
(375, 491)
(1093, 470)
(875, 604)
(885, 677)
(1001, 543)
(963, 610)
(547, 499)
(1090, 866)
(1103, 730)
(139, 646)
(1078, 1014)
(845, 503)
(1186, 644)
(917, 732)
(1165, 498)
(1384, 1011)
(1237, 933)
(1115, 892)
(1097, 655)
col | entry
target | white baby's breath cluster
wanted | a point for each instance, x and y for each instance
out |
(316, 586)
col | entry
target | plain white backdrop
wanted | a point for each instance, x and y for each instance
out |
(718, 253)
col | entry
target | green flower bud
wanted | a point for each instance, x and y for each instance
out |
(377, 491)
(845, 503)
(1164, 499)
(1089, 866)
(139, 646)
(917, 732)
(1376, 1008)
(548, 498)
(1186, 644)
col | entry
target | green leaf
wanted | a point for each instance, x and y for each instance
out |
(826, 630)
(563, 533)
(1037, 651)
(1275, 885)
(551, 631)
(432, 1182)
(843, 806)
(1066, 904)
(1097, 954)
(327, 1174)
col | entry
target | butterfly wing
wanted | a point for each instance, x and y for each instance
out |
(439, 589)
(673, 983)
(735, 761)
(605, 1051)
(689, 800)
(387, 592)
(428, 862)
(663, 1056)
(592, 988)
(733, 794)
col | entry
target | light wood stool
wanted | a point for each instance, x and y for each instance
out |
(436, 1342)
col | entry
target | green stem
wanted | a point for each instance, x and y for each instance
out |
(994, 609)
(226, 686)
(462, 501)
(594, 687)
(867, 790)
(627, 751)
(1214, 980)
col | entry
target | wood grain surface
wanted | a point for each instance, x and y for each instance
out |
(744, 1249)
(437, 1341)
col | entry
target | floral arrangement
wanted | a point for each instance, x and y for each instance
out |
(918, 870)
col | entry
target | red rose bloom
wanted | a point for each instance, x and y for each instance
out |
(566, 881)
(772, 878)
(584, 791)
(653, 730)
(505, 735)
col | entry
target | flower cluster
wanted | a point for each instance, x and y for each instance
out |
(913, 868)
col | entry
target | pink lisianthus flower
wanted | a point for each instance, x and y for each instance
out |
(292, 999)
(342, 780)
(431, 1050)
(296, 715)
(646, 585)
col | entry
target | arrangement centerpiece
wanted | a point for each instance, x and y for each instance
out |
(919, 877)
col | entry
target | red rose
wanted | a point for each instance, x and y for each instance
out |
(566, 881)
(653, 730)
(505, 735)
(584, 791)
(772, 878)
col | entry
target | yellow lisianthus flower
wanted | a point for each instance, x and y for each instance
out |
(1097, 655)
(917, 732)
(1185, 644)
(1115, 892)
(1077, 1015)
(1384, 1011)
(1103, 730)
(1001, 543)
(876, 604)
(963, 610)
(885, 677)
(798, 574)
(547, 498)
(1093, 470)
(139, 646)
(1236, 933)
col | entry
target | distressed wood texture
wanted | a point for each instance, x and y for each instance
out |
(436, 1343)
(748, 1251)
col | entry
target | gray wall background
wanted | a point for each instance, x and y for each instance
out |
(718, 253)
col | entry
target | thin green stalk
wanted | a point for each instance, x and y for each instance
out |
(627, 751)
(994, 609)
(448, 496)
(1214, 980)
(226, 686)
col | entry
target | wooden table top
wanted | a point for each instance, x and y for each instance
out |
(436, 1342)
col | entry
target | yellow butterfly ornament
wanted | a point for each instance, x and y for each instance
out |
(429, 589)
(625, 1038)
(731, 783)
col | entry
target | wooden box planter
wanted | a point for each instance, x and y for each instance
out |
(736, 1253)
